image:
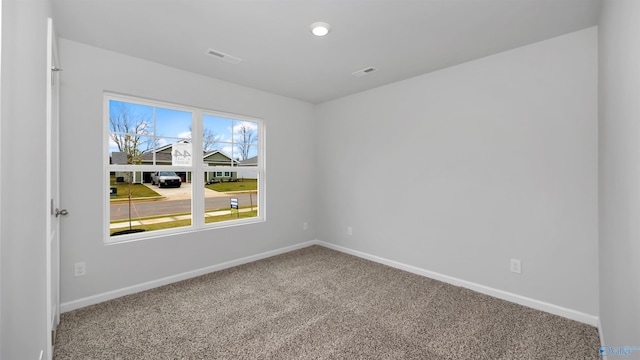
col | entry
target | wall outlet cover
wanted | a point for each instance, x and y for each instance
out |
(79, 269)
(516, 266)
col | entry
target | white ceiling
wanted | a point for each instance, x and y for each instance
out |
(402, 38)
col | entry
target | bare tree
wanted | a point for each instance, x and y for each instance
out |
(210, 140)
(248, 137)
(131, 132)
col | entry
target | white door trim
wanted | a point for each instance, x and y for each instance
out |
(52, 241)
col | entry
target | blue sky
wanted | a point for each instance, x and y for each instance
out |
(172, 125)
(225, 130)
(168, 123)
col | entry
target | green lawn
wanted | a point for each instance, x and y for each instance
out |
(158, 226)
(246, 214)
(187, 222)
(137, 191)
(240, 185)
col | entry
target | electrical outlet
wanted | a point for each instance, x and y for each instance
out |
(349, 230)
(305, 226)
(516, 266)
(79, 269)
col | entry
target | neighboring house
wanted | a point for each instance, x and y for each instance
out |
(248, 173)
(218, 158)
(162, 156)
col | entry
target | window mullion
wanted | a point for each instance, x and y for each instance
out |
(154, 138)
(197, 178)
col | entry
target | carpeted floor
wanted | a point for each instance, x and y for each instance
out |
(316, 303)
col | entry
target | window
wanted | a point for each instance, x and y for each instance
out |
(158, 184)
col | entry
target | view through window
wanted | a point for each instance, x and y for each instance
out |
(167, 162)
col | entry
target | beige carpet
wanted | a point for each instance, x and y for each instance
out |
(317, 303)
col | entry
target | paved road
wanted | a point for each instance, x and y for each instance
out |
(140, 209)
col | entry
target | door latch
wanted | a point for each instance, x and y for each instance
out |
(61, 212)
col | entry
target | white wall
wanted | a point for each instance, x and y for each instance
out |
(24, 81)
(455, 171)
(89, 71)
(619, 169)
(460, 170)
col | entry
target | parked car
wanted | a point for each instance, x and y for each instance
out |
(165, 179)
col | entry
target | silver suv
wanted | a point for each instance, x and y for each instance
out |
(165, 178)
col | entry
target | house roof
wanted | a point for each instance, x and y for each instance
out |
(160, 157)
(252, 161)
(212, 157)
(218, 156)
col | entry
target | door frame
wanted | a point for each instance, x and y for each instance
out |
(52, 241)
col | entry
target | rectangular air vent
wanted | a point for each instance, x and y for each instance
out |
(365, 71)
(224, 57)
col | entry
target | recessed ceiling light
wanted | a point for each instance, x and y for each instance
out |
(320, 28)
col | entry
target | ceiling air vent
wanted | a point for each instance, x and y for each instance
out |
(365, 71)
(224, 57)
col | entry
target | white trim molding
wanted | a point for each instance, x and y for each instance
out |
(500, 294)
(601, 333)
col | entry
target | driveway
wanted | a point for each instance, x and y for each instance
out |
(183, 192)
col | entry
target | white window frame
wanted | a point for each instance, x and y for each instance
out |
(197, 169)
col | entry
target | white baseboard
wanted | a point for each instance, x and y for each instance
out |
(518, 299)
(601, 333)
(95, 299)
(500, 294)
